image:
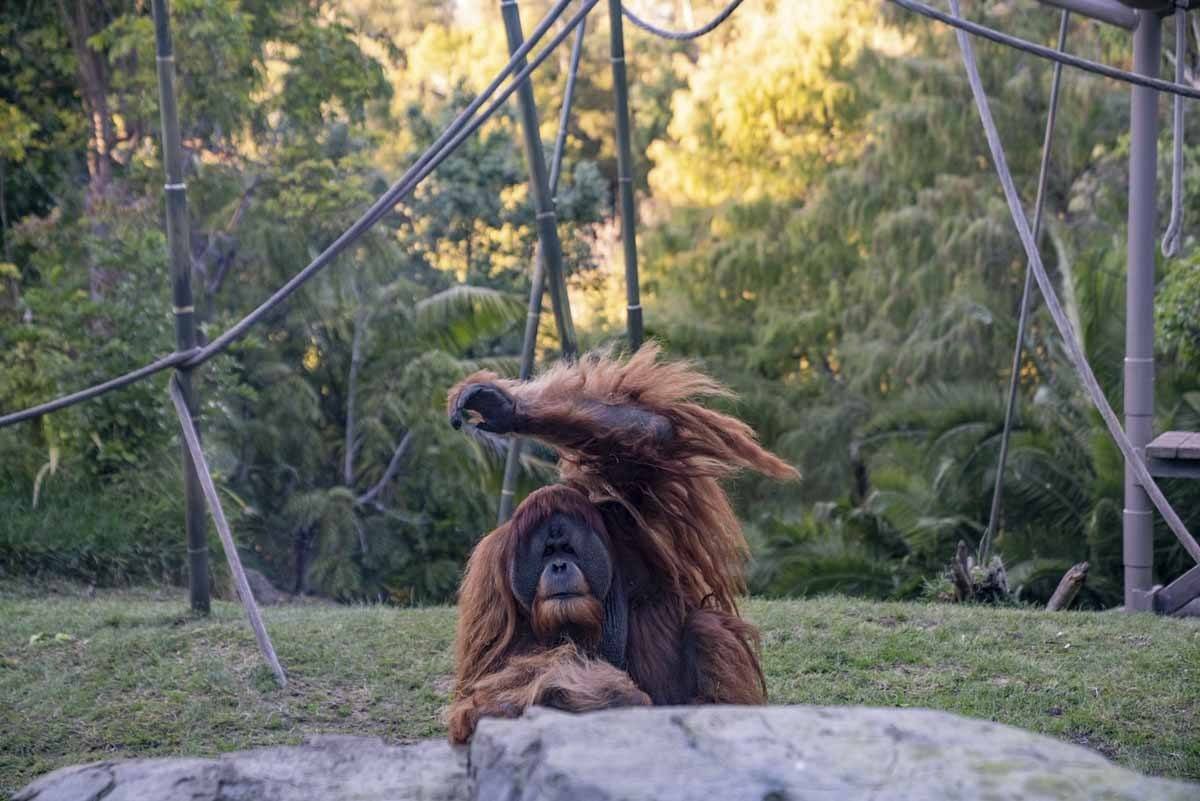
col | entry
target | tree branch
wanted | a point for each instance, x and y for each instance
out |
(393, 467)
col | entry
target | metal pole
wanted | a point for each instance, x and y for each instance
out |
(1110, 11)
(1139, 302)
(175, 192)
(1014, 379)
(547, 218)
(625, 174)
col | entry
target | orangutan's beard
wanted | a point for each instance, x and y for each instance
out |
(579, 618)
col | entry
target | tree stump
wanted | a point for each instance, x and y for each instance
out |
(1068, 587)
(974, 582)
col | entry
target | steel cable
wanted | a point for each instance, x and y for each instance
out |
(682, 36)
(1026, 301)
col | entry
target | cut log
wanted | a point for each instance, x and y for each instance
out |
(1068, 587)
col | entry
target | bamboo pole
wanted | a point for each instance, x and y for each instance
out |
(175, 192)
(546, 217)
(538, 284)
(625, 175)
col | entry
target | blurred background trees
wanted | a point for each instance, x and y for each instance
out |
(820, 228)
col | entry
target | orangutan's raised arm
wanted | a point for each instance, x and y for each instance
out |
(581, 427)
(625, 421)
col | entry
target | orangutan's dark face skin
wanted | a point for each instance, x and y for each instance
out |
(561, 558)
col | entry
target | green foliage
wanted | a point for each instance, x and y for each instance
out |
(116, 531)
(1178, 311)
(819, 224)
(840, 253)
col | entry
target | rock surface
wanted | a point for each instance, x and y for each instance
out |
(725, 753)
(327, 768)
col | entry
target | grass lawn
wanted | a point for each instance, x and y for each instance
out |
(132, 674)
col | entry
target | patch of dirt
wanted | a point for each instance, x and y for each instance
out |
(1091, 741)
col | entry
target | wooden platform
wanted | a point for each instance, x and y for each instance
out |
(1175, 454)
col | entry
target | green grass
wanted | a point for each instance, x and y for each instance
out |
(132, 674)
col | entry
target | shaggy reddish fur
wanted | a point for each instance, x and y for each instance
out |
(652, 493)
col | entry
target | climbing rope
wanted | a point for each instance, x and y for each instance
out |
(682, 36)
(1174, 234)
(1070, 340)
(133, 376)
(1026, 300)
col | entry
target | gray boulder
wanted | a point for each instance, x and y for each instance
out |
(327, 768)
(790, 754)
(659, 754)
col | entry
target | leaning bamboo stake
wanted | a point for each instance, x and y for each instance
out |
(1068, 587)
(192, 440)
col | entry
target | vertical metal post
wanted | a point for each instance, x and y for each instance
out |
(175, 193)
(625, 174)
(1139, 302)
(547, 217)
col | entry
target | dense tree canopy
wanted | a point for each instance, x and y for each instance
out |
(820, 225)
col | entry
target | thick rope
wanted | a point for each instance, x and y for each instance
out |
(133, 376)
(1074, 349)
(192, 440)
(1014, 380)
(454, 134)
(1174, 235)
(682, 36)
(1084, 64)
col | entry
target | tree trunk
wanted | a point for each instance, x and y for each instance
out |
(360, 325)
(93, 89)
(93, 74)
(301, 549)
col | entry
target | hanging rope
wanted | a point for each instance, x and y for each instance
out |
(1014, 380)
(1074, 349)
(682, 36)
(1174, 235)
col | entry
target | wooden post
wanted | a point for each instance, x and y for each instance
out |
(175, 192)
